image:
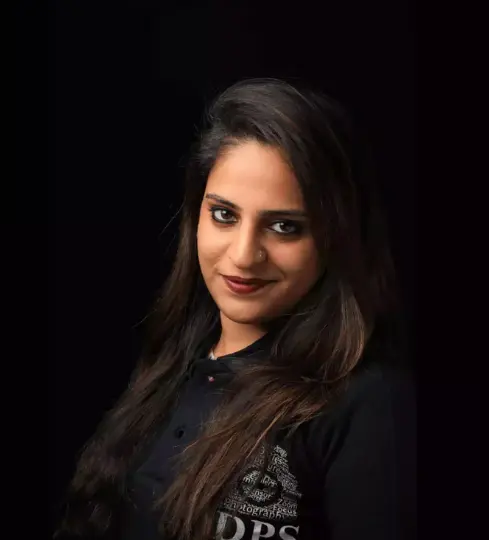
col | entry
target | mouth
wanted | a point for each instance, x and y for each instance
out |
(244, 286)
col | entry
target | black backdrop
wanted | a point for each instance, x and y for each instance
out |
(127, 82)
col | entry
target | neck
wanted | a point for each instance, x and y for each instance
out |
(236, 336)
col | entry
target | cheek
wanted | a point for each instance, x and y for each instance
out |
(201, 241)
(299, 263)
(209, 243)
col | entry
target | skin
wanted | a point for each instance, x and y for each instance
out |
(241, 239)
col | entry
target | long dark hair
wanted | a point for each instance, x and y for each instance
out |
(316, 348)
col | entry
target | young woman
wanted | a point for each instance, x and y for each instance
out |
(272, 399)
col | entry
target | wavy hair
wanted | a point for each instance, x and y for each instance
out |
(317, 345)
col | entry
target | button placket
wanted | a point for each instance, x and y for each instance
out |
(179, 431)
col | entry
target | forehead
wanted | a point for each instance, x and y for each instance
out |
(256, 176)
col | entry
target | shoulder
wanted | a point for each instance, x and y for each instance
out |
(384, 384)
(376, 411)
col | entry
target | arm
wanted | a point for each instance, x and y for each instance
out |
(370, 486)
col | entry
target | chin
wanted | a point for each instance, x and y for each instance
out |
(243, 316)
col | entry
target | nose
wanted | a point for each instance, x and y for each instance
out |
(245, 247)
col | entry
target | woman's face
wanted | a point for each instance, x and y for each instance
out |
(253, 225)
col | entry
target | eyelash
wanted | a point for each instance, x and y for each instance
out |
(297, 227)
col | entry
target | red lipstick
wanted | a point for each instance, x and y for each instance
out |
(244, 286)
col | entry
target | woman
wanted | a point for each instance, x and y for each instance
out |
(271, 400)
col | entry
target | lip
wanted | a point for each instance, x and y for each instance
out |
(244, 286)
(246, 281)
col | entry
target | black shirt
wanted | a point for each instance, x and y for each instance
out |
(347, 475)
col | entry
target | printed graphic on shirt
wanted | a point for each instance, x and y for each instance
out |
(270, 510)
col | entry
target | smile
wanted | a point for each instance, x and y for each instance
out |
(241, 286)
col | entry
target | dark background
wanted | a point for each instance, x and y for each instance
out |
(127, 82)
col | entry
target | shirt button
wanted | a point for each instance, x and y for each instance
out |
(179, 432)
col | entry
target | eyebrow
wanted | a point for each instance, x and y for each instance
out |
(263, 213)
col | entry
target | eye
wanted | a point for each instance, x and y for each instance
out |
(286, 227)
(222, 215)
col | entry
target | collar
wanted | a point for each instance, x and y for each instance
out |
(229, 364)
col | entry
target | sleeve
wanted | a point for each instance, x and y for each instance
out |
(370, 484)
